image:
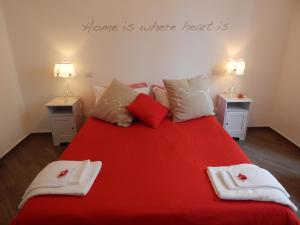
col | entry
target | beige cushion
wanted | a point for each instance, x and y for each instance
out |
(98, 91)
(189, 98)
(161, 96)
(111, 106)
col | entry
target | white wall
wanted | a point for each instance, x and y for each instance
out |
(286, 112)
(12, 112)
(45, 32)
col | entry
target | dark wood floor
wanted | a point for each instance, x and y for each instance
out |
(268, 149)
(18, 168)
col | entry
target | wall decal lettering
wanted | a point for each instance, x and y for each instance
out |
(156, 26)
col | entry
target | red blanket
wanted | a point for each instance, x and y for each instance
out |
(153, 177)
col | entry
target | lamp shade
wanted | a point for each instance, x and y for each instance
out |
(64, 69)
(236, 66)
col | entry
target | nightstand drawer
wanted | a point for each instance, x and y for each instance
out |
(63, 126)
(236, 122)
(65, 116)
(232, 112)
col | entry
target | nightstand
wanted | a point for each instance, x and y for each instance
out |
(233, 113)
(65, 116)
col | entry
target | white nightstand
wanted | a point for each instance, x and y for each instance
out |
(65, 116)
(232, 113)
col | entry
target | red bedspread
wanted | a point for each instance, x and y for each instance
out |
(153, 177)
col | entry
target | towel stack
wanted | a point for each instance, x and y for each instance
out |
(63, 178)
(248, 182)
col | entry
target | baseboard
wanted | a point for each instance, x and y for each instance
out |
(11, 148)
(277, 132)
(287, 138)
(41, 133)
(259, 127)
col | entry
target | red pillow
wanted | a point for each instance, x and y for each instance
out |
(148, 110)
(138, 85)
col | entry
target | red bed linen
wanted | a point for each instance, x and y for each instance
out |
(153, 177)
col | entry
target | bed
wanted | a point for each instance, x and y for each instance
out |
(153, 177)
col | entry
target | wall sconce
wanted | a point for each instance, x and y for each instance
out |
(65, 70)
(235, 68)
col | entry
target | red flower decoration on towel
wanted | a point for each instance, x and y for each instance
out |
(63, 173)
(242, 177)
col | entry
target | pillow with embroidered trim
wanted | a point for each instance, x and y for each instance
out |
(161, 96)
(98, 92)
(189, 98)
(139, 87)
(111, 107)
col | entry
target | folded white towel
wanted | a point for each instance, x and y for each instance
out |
(80, 172)
(68, 189)
(256, 178)
(257, 194)
(48, 176)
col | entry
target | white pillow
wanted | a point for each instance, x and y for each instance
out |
(145, 90)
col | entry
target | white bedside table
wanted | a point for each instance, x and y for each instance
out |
(233, 113)
(65, 116)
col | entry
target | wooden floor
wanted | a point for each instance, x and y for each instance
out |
(268, 149)
(17, 169)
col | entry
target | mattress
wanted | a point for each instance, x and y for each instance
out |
(153, 177)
